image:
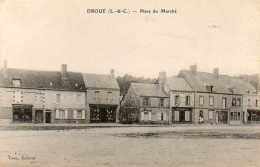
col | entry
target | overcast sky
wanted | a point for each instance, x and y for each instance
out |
(43, 34)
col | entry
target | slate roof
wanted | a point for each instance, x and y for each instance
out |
(100, 81)
(178, 84)
(148, 89)
(222, 84)
(43, 79)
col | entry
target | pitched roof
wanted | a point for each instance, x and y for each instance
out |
(43, 79)
(222, 84)
(178, 83)
(100, 81)
(147, 89)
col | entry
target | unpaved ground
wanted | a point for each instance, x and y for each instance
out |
(136, 146)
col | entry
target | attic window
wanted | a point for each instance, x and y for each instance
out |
(51, 83)
(16, 82)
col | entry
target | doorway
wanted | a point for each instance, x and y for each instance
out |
(48, 117)
(38, 116)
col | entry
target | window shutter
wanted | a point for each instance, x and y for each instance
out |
(142, 116)
(187, 116)
(74, 114)
(57, 114)
(83, 114)
(176, 115)
(164, 116)
(66, 114)
(150, 115)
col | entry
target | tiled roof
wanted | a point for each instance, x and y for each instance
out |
(178, 83)
(43, 79)
(222, 84)
(100, 81)
(147, 89)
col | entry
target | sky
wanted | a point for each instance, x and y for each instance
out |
(44, 34)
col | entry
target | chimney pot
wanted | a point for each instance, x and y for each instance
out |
(193, 68)
(112, 73)
(162, 78)
(216, 72)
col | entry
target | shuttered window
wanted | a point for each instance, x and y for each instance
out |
(176, 116)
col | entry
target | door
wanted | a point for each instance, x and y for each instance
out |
(48, 117)
(182, 116)
(38, 116)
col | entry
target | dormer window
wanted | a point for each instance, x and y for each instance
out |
(16, 83)
(51, 84)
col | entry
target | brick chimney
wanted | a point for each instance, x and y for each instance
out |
(112, 73)
(5, 68)
(162, 79)
(216, 72)
(64, 71)
(193, 68)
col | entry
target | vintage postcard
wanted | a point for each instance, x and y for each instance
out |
(168, 83)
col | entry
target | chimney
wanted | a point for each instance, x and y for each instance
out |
(162, 79)
(193, 68)
(5, 68)
(64, 71)
(216, 72)
(112, 73)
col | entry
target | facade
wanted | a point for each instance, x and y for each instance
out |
(218, 99)
(42, 96)
(146, 103)
(181, 100)
(102, 97)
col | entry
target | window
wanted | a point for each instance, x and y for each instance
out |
(224, 102)
(57, 98)
(146, 101)
(60, 114)
(201, 100)
(79, 114)
(161, 116)
(211, 100)
(109, 97)
(238, 101)
(256, 103)
(234, 101)
(210, 114)
(235, 116)
(18, 97)
(161, 102)
(16, 82)
(177, 100)
(187, 100)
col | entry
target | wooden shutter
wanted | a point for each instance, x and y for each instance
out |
(57, 114)
(187, 115)
(150, 115)
(83, 114)
(66, 114)
(142, 116)
(176, 116)
(74, 114)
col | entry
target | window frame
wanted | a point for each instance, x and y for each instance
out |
(211, 99)
(201, 100)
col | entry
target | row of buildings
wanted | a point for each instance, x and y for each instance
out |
(73, 97)
(192, 97)
(57, 96)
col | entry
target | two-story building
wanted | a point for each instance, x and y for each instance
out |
(217, 98)
(42, 96)
(146, 103)
(181, 97)
(102, 97)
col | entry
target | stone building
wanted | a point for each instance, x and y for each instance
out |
(146, 103)
(217, 98)
(102, 97)
(42, 96)
(181, 100)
